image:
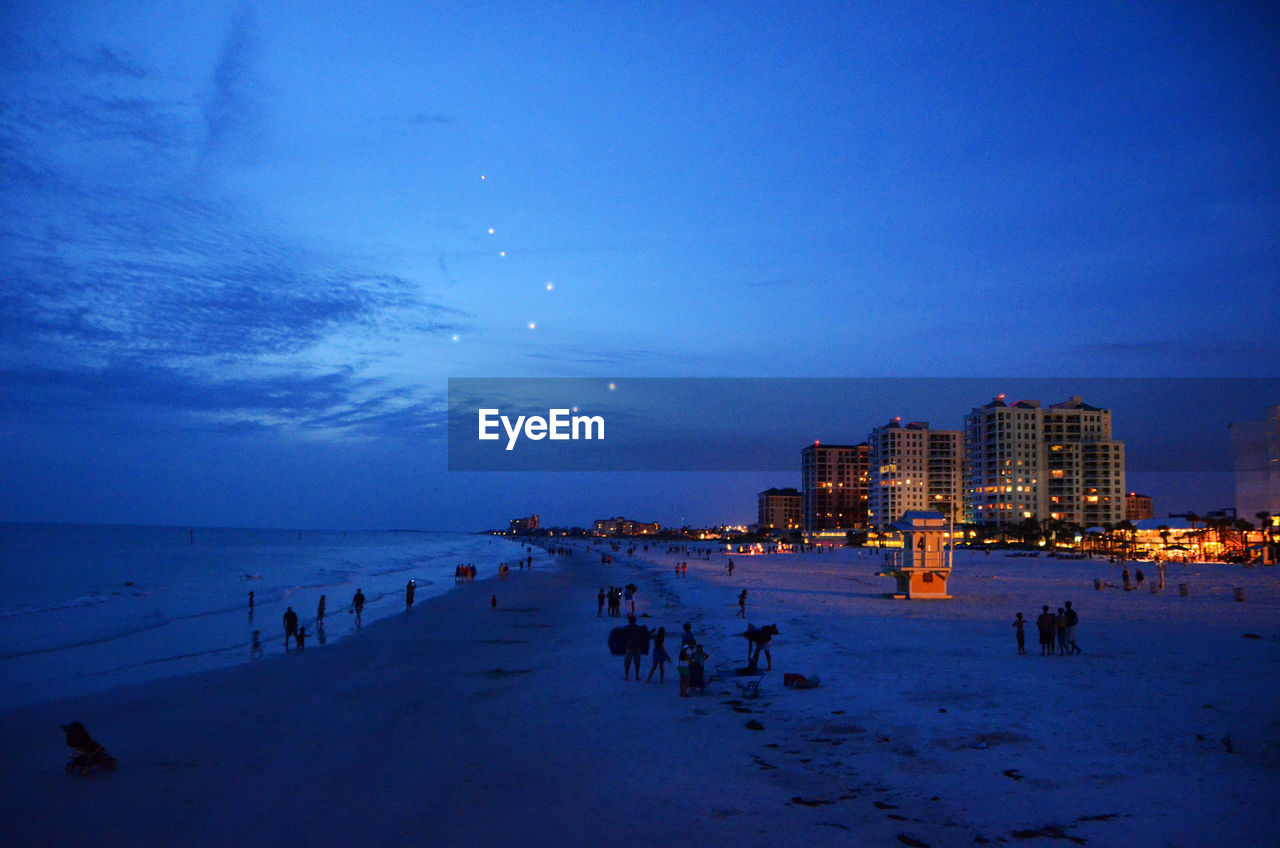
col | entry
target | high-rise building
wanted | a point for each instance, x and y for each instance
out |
(914, 468)
(527, 524)
(1138, 507)
(779, 509)
(1023, 461)
(834, 486)
(1256, 445)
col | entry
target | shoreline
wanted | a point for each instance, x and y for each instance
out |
(469, 726)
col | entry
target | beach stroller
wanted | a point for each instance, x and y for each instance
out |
(86, 753)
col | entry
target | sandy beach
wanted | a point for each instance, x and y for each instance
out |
(455, 724)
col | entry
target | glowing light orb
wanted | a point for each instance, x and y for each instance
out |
(550, 287)
(455, 338)
(532, 326)
(502, 253)
(612, 387)
(491, 231)
(482, 176)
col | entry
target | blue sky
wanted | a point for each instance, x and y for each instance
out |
(244, 246)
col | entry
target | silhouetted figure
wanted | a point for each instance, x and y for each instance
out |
(1022, 636)
(302, 638)
(357, 604)
(493, 601)
(660, 656)
(408, 595)
(635, 640)
(290, 626)
(1072, 620)
(1047, 624)
(320, 611)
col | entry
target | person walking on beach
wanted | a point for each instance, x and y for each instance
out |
(730, 568)
(357, 604)
(742, 604)
(660, 656)
(1060, 627)
(290, 626)
(635, 641)
(302, 638)
(409, 589)
(493, 602)
(256, 649)
(600, 599)
(320, 611)
(1047, 624)
(682, 667)
(1022, 637)
(1072, 620)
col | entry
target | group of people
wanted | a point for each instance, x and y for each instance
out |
(298, 635)
(615, 597)
(1057, 631)
(690, 662)
(1124, 576)
(682, 569)
(464, 573)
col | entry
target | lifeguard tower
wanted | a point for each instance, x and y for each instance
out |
(921, 568)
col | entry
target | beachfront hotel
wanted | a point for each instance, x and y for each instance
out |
(528, 524)
(619, 526)
(1138, 507)
(1025, 461)
(914, 468)
(779, 509)
(834, 486)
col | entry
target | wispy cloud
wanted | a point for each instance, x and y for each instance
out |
(131, 285)
(105, 62)
(233, 113)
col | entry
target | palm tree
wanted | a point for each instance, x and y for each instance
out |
(1243, 527)
(1126, 527)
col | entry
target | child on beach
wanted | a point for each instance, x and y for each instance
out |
(256, 650)
(1022, 636)
(301, 638)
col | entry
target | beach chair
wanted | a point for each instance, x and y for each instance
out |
(748, 681)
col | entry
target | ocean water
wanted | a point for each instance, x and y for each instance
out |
(85, 608)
